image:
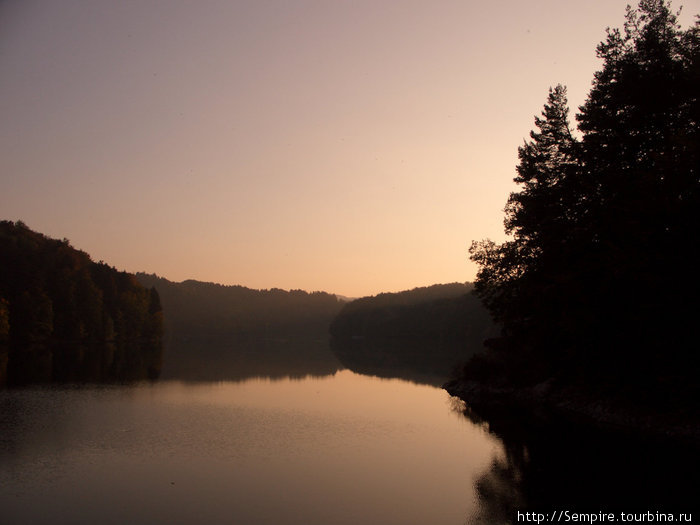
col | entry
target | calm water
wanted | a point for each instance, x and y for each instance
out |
(339, 449)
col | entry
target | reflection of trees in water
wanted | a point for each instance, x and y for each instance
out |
(550, 463)
(423, 362)
(498, 489)
(219, 359)
(498, 492)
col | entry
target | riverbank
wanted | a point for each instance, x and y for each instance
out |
(543, 402)
(574, 450)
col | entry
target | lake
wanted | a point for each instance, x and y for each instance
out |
(338, 449)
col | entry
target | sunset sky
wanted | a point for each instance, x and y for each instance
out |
(348, 146)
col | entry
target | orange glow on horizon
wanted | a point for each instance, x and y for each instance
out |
(353, 147)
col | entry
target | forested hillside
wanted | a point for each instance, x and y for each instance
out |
(215, 332)
(420, 334)
(64, 317)
(201, 310)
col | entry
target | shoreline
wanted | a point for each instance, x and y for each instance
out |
(542, 403)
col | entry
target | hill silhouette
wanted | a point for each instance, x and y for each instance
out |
(64, 317)
(421, 334)
(215, 331)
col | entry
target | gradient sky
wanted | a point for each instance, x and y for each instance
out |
(348, 146)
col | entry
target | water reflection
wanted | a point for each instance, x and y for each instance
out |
(551, 463)
(222, 359)
(67, 361)
(230, 359)
(343, 449)
(420, 362)
(338, 448)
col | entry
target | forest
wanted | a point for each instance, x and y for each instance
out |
(422, 334)
(64, 317)
(597, 287)
(217, 332)
(201, 310)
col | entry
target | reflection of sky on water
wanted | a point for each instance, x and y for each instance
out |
(340, 449)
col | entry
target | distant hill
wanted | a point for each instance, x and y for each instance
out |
(421, 334)
(202, 310)
(215, 331)
(442, 312)
(64, 317)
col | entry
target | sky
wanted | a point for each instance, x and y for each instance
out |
(354, 147)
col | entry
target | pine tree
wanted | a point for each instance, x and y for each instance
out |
(548, 164)
(515, 278)
(600, 272)
(641, 129)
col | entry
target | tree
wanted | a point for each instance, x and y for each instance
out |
(600, 269)
(548, 163)
(541, 217)
(641, 126)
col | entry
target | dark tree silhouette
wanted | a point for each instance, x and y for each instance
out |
(598, 283)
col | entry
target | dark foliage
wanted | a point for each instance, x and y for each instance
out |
(422, 334)
(64, 317)
(200, 310)
(599, 284)
(219, 332)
